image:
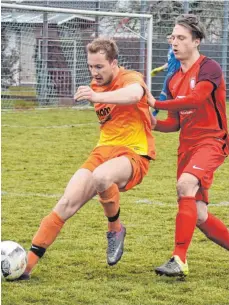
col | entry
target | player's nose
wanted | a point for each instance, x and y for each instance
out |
(174, 42)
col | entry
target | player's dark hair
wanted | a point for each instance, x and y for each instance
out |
(193, 24)
(107, 46)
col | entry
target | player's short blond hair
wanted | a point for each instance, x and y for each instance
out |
(107, 46)
(193, 24)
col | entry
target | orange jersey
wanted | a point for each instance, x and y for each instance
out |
(125, 125)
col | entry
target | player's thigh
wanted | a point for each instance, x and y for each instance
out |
(117, 170)
(79, 190)
(204, 161)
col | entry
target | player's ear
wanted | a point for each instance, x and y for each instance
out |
(114, 62)
(197, 42)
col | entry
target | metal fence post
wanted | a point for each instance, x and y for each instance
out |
(142, 40)
(225, 38)
(44, 79)
(186, 6)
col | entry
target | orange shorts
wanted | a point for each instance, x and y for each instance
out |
(101, 154)
(202, 161)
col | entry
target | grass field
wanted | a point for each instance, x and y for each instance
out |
(41, 149)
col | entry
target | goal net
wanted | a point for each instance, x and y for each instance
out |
(44, 51)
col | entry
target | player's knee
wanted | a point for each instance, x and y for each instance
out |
(202, 212)
(101, 179)
(185, 188)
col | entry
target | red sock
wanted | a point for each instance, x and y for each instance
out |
(185, 225)
(216, 231)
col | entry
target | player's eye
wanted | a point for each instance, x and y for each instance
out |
(97, 67)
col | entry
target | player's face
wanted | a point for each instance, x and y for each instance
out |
(101, 69)
(183, 44)
(169, 39)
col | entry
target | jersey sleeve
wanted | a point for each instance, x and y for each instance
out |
(133, 78)
(193, 100)
(171, 124)
(210, 71)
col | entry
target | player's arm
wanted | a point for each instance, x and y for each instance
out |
(130, 94)
(194, 100)
(171, 124)
(159, 69)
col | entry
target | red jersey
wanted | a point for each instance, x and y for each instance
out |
(198, 107)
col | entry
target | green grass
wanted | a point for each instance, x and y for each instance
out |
(14, 97)
(37, 163)
(20, 91)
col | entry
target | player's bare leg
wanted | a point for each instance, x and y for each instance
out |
(79, 190)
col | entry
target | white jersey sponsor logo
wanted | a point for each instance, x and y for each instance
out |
(192, 83)
(196, 167)
(186, 112)
(183, 112)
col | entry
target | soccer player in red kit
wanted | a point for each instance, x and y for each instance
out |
(197, 107)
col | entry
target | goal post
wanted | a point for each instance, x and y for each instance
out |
(44, 50)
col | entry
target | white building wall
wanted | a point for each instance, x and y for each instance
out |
(27, 57)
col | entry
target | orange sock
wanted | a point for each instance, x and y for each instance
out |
(110, 201)
(49, 229)
(32, 261)
(185, 225)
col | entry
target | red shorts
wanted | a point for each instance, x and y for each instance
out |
(101, 154)
(202, 161)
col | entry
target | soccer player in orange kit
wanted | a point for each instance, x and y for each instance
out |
(197, 107)
(119, 161)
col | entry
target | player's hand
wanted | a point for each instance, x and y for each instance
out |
(151, 100)
(85, 93)
(153, 121)
(155, 71)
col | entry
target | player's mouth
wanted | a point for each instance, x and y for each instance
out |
(98, 79)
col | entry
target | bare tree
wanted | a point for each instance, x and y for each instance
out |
(10, 58)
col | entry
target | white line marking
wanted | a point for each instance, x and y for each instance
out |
(148, 201)
(139, 201)
(49, 127)
(3, 193)
(55, 108)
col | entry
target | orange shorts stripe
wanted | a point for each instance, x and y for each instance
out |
(102, 154)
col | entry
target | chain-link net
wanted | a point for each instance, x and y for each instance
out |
(43, 54)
